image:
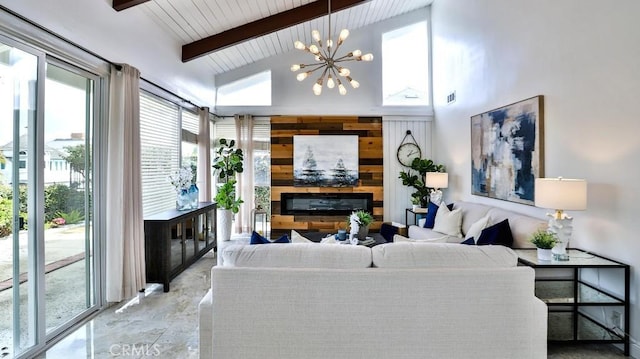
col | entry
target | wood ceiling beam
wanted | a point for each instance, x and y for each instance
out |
(263, 27)
(120, 5)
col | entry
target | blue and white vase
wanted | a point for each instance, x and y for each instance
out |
(194, 193)
(183, 200)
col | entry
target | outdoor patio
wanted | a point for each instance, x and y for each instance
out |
(64, 279)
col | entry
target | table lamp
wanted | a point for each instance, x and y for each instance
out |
(561, 194)
(436, 180)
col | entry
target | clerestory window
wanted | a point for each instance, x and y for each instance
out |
(405, 66)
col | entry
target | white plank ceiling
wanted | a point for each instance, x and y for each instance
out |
(191, 20)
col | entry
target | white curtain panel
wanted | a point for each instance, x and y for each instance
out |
(204, 156)
(244, 134)
(125, 223)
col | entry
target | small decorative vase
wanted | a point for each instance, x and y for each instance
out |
(545, 254)
(363, 231)
(194, 193)
(415, 206)
(183, 200)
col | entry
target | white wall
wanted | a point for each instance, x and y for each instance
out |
(116, 36)
(292, 97)
(582, 55)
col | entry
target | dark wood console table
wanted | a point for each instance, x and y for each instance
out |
(173, 240)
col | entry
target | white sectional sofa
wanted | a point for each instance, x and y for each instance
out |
(522, 226)
(396, 300)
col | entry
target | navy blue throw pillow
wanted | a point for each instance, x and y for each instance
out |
(432, 209)
(469, 241)
(499, 233)
(388, 231)
(258, 239)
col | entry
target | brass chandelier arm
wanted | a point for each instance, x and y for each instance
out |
(325, 54)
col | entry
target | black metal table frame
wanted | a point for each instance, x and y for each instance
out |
(575, 305)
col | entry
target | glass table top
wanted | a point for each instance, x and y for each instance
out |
(577, 258)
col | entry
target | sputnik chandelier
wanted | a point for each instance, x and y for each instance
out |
(325, 56)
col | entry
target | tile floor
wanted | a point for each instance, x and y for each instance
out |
(165, 325)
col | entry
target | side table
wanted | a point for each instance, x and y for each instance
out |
(590, 312)
(416, 213)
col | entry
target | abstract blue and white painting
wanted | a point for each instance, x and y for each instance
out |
(507, 151)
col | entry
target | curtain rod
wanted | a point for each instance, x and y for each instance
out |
(116, 65)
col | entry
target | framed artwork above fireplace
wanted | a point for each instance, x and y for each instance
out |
(325, 161)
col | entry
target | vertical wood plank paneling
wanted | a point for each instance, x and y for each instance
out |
(371, 167)
(396, 196)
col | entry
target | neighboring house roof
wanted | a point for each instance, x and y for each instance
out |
(54, 148)
(408, 93)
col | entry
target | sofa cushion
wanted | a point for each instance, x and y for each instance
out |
(471, 213)
(447, 221)
(416, 232)
(297, 255)
(499, 233)
(522, 226)
(439, 239)
(441, 255)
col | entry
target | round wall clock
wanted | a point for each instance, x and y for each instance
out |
(408, 151)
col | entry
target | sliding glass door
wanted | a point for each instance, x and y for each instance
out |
(68, 234)
(47, 272)
(18, 233)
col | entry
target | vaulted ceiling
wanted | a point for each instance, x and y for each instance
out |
(153, 34)
(234, 33)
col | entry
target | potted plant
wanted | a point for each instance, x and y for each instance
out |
(227, 163)
(415, 201)
(359, 222)
(415, 178)
(544, 241)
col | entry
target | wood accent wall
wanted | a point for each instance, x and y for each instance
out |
(283, 128)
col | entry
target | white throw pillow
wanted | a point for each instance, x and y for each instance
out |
(448, 222)
(476, 228)
(299, 238)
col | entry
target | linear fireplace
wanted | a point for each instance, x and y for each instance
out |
(325, 204)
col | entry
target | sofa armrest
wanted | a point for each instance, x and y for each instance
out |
(205, 322)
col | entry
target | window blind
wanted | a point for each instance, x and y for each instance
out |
(190, 126)
(159, 146)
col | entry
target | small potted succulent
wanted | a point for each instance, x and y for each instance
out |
(415, 201)
(544, 241)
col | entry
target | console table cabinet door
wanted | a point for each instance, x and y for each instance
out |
(176, 239)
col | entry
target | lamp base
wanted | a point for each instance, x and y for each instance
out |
(562, 227)
(436, 196)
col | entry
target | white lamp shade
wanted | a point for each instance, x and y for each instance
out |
(437, 179)
(561, 193)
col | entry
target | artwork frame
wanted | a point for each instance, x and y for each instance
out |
(507, 151)
(325, 160)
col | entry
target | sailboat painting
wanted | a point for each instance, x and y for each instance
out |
(325, 161)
